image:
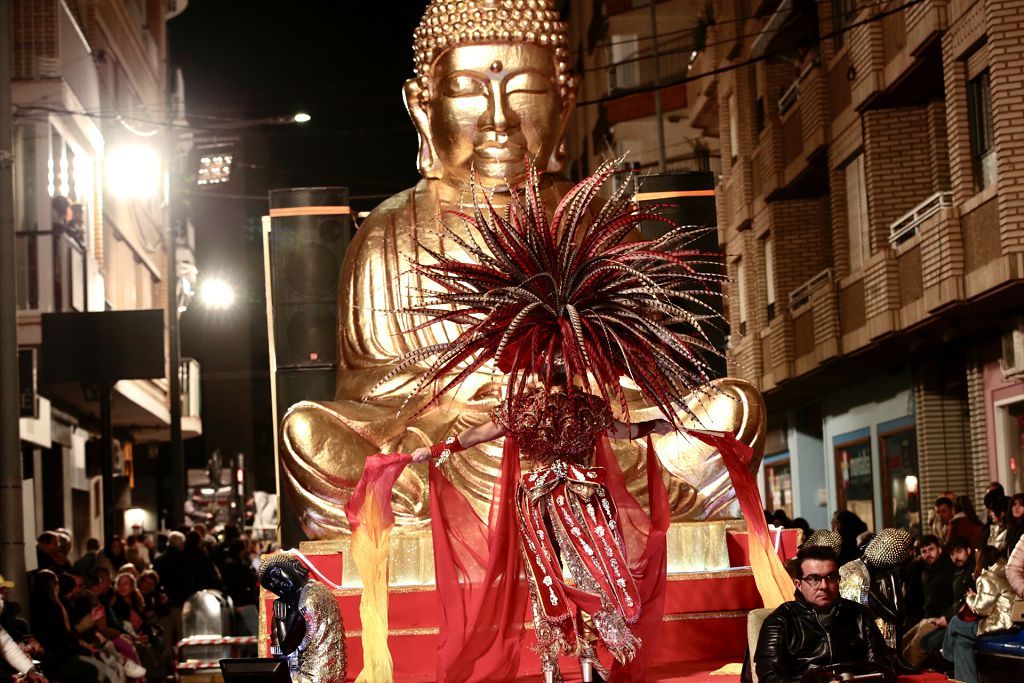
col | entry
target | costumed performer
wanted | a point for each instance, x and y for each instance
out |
(307, 629)
(569, 311)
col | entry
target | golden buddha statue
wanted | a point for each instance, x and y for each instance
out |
(492, 88)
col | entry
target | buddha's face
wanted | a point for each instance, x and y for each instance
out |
(491, 108)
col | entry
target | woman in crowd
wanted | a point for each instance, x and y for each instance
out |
(114, 553)
(965, 522)
(986, 612)
(129, 608)
(63, 655)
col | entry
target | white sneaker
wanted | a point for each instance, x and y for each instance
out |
(134, 669)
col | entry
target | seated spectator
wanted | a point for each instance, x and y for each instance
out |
(817, 628)
(128, 568)
(930, 588)
(965, 522)
(941, 515)
(114, 552)
(996, 507)
(985, 613)
(962, 556)
(62, 653)
(10, 613)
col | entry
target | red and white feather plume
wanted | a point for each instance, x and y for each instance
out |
(572, 289)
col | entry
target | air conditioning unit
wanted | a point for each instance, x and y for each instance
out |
(1012, 361)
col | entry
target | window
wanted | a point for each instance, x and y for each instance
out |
(741, 295)
(901, 504)
(778, 483)
(857, 227)
(979, 117)
(855, 486)
(768, 250)
(624, 71)
(734, 128)
(843, 14)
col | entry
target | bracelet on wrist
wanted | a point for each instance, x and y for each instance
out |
(645, 428)
(442, 450)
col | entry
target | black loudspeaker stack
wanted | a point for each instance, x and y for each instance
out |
(310, 228)
(688, 198)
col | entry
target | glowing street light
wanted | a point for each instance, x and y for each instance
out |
(133, 172)
(302, 117)
(216, 293)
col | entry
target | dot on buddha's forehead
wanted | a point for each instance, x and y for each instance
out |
(497, 66)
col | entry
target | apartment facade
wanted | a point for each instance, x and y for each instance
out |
(91, 212)
(869, 210)
(624, 73)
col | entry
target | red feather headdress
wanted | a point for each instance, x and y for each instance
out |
(570, 290)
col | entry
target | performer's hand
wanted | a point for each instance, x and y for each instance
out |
(663, 427)
(421, 454)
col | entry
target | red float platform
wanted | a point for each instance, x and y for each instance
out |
(704, 627)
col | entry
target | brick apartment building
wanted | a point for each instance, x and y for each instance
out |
(615, 54)
(90, 78)
(870, 209)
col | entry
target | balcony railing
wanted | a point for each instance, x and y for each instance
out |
(906, 225)
(52, 274)
(792, 93)
(802, 294)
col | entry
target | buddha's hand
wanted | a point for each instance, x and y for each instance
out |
(421, 454)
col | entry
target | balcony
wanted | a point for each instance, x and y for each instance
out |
(766, 167)
(702, 93)
(777, 351)
(737, 190)
(815, 316)
(898, 57)
(52, 272)
(804, 115)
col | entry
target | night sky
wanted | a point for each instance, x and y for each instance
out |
(342, 62)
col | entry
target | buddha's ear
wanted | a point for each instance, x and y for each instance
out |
(557, 163)
(429, 165)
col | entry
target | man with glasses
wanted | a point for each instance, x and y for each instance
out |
(818, 628)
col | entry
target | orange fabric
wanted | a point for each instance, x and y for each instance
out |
(773, 582)
(371, 518)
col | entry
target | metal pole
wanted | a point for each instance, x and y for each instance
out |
(662, 166)
(12, 530)
(177, 454)
(107, 464)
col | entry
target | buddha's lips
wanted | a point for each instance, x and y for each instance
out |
(499, 151)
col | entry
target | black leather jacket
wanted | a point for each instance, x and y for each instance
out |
(796, 638)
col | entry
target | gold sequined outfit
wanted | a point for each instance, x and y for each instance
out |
(566, 516)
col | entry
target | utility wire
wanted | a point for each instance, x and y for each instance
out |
(746, 62)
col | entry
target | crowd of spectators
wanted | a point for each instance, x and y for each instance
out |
(114, 612)
(959, 588)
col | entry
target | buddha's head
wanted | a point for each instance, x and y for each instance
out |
(492, 90)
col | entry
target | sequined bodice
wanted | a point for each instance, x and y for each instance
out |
(553, 425)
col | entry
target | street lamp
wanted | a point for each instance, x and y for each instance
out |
(133, 171)
(302, 117)
(216, 293)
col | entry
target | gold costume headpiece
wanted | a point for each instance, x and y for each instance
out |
(278, 559)
(889, 548)
(449, 23)
(827, 538)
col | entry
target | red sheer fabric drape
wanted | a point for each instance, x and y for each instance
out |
(646, 551)
(480, 581)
